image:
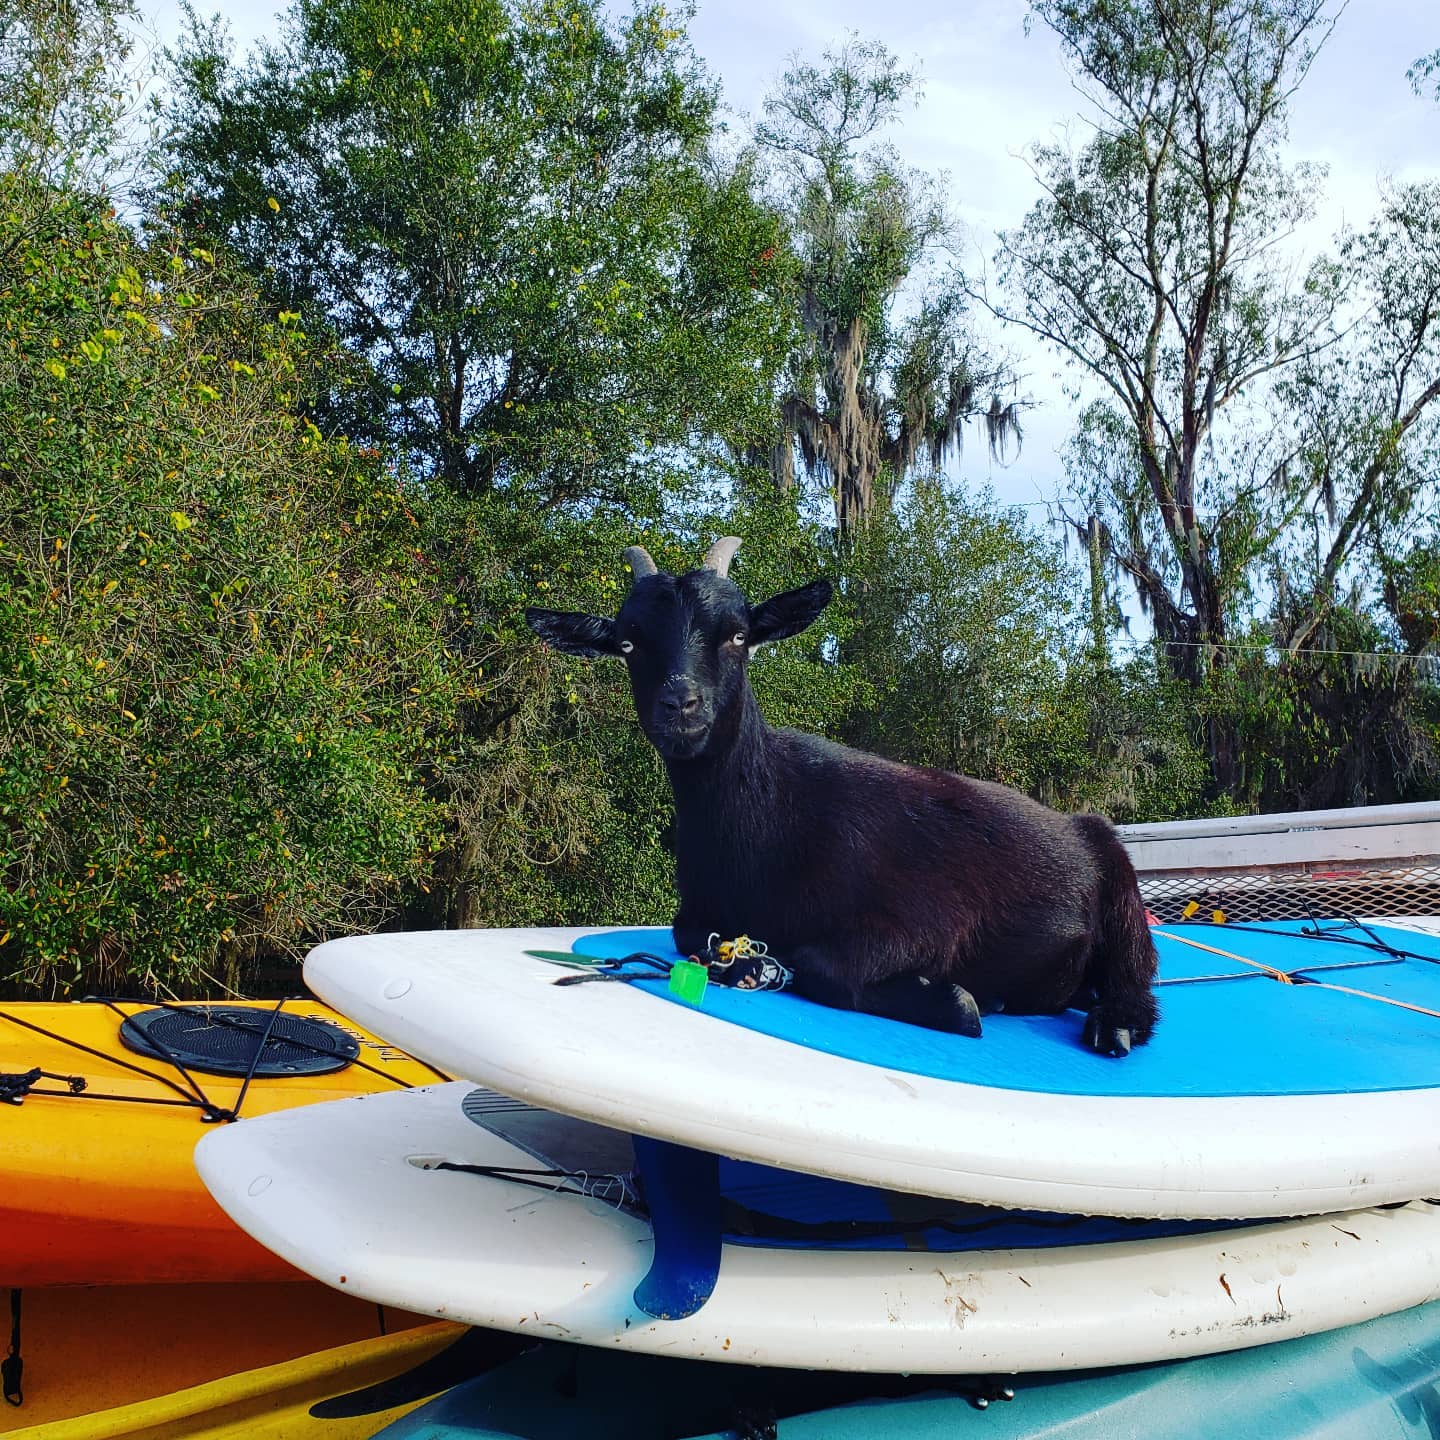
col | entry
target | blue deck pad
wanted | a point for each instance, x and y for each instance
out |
(783, 1210)
(1245, 1036)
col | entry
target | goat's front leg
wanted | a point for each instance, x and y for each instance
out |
(918, 1000)
(831, 979)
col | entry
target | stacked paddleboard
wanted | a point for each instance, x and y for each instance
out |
(747, 1176)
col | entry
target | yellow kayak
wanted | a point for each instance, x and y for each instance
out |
(279, 1359)
(101, 1107)
(278, 1402)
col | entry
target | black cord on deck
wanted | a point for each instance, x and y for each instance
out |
(198, 1101)
(229, 1022)
(1330, 936)
(14, 1087)
(234, 1113)
(211, 1113)
(604, 1186)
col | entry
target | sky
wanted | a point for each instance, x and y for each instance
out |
(990, 91)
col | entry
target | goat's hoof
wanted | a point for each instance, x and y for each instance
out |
(959, 1014)
(1102, 1034)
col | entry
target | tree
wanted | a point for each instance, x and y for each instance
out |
(558, 304)
(223, 662)
(968, 656)
(1121, 739)
(1426, 68)
(1367, 422)
(870, 394)
(60, 85)
(507, 213)
(961, 624)
(1350, 719)
(1351, 586)
(1150, 264)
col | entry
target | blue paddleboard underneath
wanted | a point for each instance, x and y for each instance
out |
(1376, 1381)
(1226, 1028)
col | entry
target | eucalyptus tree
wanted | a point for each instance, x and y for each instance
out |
(1341, 711)
(872, 392)
(1424, 70)
(507, 214)
(1154, 264)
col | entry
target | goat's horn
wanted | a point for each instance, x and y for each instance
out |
(639, 561)
(720, 554)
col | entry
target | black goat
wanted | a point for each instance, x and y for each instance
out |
(917, 894)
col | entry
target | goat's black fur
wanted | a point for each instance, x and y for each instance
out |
(918, 894)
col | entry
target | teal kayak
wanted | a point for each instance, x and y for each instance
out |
(1376, 1381)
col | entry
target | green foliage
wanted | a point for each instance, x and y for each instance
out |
(59, 85)
(965, 642)
(1425, 69)
(505, 211)
(1349, 720)
(1146, 264)
(861, 220)
(960, 627)
(219, 662)
(1353, 568)
(1124, 740)
(1365, 414)
(557, 303)
(556, 802)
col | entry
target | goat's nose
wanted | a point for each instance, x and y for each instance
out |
(680, 699)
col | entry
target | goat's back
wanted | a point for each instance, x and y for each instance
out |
(962, 875)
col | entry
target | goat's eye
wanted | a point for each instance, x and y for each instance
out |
(738, 638)
(626, 646)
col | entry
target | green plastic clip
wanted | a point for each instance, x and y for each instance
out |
(688, 981)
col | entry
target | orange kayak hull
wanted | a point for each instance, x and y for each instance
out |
(103, 1191)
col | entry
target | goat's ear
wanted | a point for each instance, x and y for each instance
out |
(574, 633)
(788, 614)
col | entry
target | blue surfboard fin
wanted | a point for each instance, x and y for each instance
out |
(682, 1193)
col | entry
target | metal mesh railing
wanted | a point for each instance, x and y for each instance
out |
(1295, 892)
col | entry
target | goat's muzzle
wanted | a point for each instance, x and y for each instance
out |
(680, 720)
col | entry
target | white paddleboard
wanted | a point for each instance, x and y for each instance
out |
(350, 1192)
(1254, 1100)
